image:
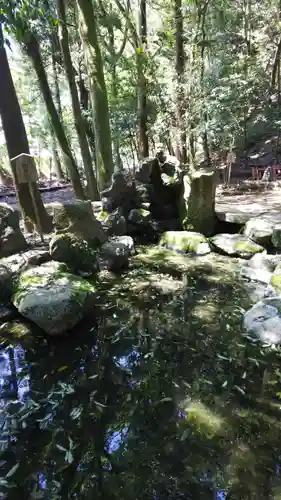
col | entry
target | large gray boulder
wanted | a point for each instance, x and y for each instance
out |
(52, 298)
(263, 321)
(114, 254)
(77, 217)
(260, 267)
(235, 245)
(185, 242)
(11, 241)
(73, 251)
(198, 204)
(260, 230)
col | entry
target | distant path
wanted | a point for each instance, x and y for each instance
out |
(244, 206)
(251, 204)
(49, 195)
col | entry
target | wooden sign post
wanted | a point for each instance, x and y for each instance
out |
(26, 173)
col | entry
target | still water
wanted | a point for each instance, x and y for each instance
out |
(160, 398)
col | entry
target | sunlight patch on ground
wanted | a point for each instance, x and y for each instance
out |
(206, 312)
(204, 420)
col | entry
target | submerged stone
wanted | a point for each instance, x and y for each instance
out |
(263, 321)
(15, 331)
(185, 242)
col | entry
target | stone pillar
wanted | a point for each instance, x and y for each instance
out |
(198, 211)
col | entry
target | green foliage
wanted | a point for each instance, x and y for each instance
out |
(227, 82)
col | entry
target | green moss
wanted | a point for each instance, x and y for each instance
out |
(276, 282)
(143, 212)
(182, 242)
(248, 246)
(82, 286)
(102, 215)
(204, 421)
(15, 331)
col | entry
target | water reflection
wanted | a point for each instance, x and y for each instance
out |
(149, 404)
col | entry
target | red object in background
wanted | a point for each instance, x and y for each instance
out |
(257, 172)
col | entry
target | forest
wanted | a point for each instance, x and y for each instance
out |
(140, 249)
(101, 84)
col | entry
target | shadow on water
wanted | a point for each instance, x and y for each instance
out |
(162, 399)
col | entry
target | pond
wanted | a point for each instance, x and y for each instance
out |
(161, 397)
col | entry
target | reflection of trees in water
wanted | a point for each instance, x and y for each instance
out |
(14, 385)
(160, 408)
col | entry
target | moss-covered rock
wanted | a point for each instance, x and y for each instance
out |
(73, 251)
(275, 281)
(54, 299)
(235, 245)
(77, 217)
(185, 242)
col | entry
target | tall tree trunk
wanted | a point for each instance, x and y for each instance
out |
(114, 94)
(56, 80)
(98, 92)
(17, 143)
(86, 107)
(180, 95)
(55, 156)
(142, 91)
(33, 51)
(92, 189)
